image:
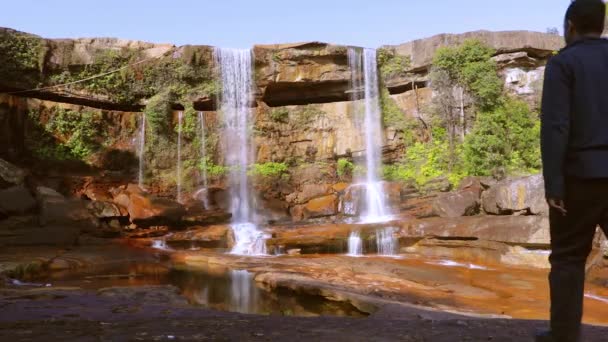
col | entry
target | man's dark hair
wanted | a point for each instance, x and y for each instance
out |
(587, 15)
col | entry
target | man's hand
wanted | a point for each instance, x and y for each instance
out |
(558, 205)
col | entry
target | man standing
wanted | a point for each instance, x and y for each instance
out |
(574, 139)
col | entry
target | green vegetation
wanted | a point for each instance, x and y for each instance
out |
(345, 167)
(270, 169)
(190, 124)
(504, 138)
(422, 162)
(308, 114)
(392, 116)
(480, 134)
(280, 115)
(186, 77)
(390, 63)
(66, 135)
(470, 65)
(22, 56)
(212, 169)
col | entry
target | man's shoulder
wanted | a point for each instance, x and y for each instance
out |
(580, 48)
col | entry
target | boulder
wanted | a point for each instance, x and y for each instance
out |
(309, 192)
(470, 250)
(11, 174)
(57, 210)
(523, 195)
(104, 210)
(146, 210)
(16, 200)
(456, 204)
(321, 207)
(297, 213)
(440, 184)
(519, 230)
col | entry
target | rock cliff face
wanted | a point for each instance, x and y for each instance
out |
(303, 112)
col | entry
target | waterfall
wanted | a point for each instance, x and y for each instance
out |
(236, 76)
(366, 93)
(203, 139)
(180, 118)
(386, 241)
(142, 148)
(355, 244)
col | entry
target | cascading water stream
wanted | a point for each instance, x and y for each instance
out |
(355, 244)
(366, 93)
(236, 76)
(203, 139)
(386, 242)
(180, 118)
(142, 148)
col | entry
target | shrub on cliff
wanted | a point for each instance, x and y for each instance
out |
(390, 63)
(504, 138)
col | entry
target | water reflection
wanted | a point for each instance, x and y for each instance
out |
(237, 291)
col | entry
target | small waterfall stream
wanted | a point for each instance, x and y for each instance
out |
(366, 98)
(141, 149)
(386, 242)
(237, 80)
(203, 156)
(180, 119)
(355, 244)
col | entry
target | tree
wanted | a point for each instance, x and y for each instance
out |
(553, 31)
(506, 138)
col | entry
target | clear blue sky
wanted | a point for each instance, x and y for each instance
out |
(242, 23)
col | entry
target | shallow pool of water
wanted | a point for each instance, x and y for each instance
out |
(220, 289)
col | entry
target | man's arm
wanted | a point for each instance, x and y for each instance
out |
(555, 127)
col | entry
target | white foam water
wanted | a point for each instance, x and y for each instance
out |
(355, 244)
(364, 71)
(386, 242)
(142, 150)
(596, 297)
(450, 263)
(180, 119)
(160, 244)
(237, 80)
(203, 139)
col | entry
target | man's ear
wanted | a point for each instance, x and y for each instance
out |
(571, 28)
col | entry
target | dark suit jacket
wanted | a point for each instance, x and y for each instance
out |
(574, 115)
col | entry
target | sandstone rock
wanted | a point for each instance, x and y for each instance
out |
(456, 204)
(209, 237)
(297, 213)
(512, 196)
(321, 207)
(440, 184)
(106, 209)
(540, 44)
(43, 192)
(294, 252)
(56, 210)
(145, 210)
(97, 194)
(309, 192)
(339, 187)
(122, 200)
(10, 173)
(16, 200)
(470, 250)
(521, 230)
